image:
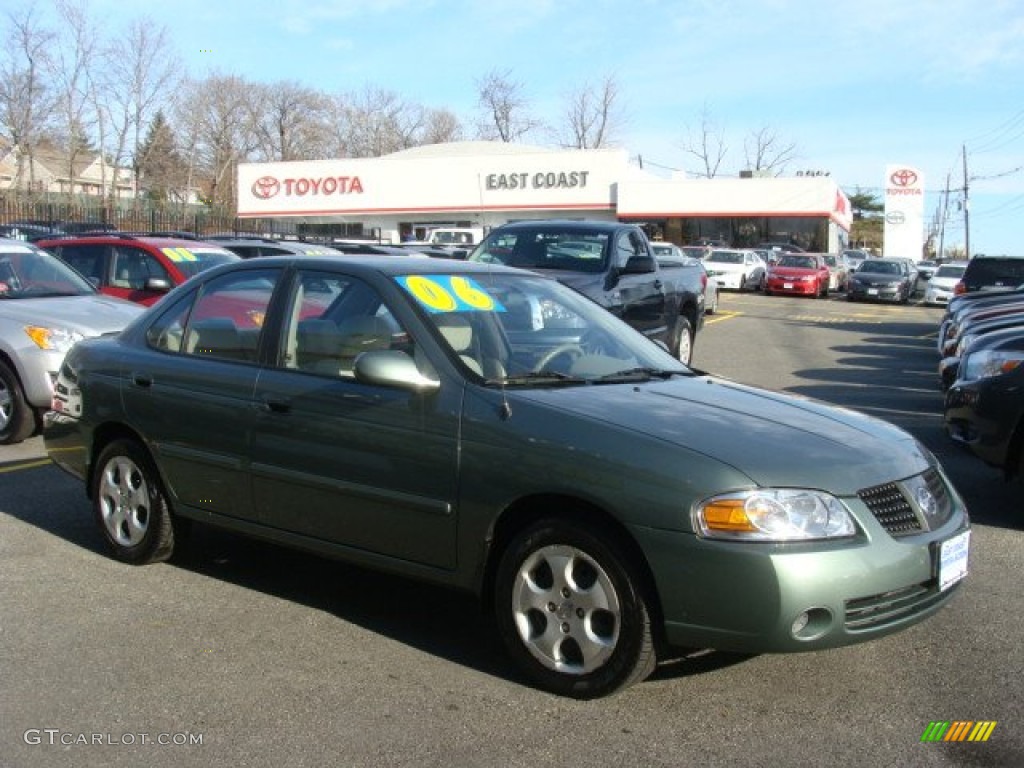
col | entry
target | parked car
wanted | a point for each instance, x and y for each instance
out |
(800, 274)
(970, 334)
(855, 256)
(493, 430)
(885, 279)
(926, 268)
(943, 282)
(953, 329)
(45, 307)
(249, 247)
(839, 271)
(736, 269)
(611, 263)
(139, 268)
(670, 256)
(992, 273)
(984, 410)
(780, 247)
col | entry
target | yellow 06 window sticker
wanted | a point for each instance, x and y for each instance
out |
(449, 293)
(179, 254)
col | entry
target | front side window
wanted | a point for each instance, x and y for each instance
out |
(133, 267)
(332, 320)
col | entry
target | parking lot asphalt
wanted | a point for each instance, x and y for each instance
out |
(241, 653)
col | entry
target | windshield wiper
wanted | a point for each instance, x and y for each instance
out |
(539, 377)
(641, 374)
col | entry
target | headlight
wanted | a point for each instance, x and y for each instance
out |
(773, 514)
(56, 339)
(808, 278)
(990, 362)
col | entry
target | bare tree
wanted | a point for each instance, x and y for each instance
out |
(26, 100)
(291, 122)
(378, 122)
(504, 108)
(592, 116)
(219, 133)
(766, 151)
(440, 126)
(73, 63)
(708, 145)
(140, 71)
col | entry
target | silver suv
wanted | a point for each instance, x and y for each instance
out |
(45, 307)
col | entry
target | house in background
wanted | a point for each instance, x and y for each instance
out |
(50, 171)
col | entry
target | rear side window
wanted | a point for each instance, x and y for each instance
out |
(993, 272)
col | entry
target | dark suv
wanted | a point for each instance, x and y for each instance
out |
(140, 268)
(991, 273)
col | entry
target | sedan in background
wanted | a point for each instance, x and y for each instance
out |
(799, 274)
(492, 430)
(45, 307)
(881, 280)
(839, 271)
(942, 284)
(737, 270)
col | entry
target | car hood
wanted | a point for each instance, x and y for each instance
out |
(90, 315)
(773, 438)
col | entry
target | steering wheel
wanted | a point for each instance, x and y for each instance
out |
(569, 348)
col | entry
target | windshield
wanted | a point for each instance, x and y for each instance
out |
(799, 262)
(566, 249)
(880, 267)
(525, 330)
(27, 272)
(949, 270)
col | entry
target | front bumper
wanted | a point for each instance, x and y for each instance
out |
(745, 597)
(875, 292)
(728, 280)
(796, 287)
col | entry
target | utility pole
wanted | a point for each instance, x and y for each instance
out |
(942, 218)
(967, 226)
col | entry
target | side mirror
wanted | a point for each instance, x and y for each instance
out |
(392, 368)
(158, 285)
(639, 265)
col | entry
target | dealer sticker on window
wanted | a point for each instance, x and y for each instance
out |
(953, 560)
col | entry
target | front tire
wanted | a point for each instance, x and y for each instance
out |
(17, 418)
(130, 505)
(571, 611)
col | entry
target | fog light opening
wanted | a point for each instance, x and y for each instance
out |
(811, 624)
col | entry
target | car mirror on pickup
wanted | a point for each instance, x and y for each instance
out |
(639, 265)
(392, 368)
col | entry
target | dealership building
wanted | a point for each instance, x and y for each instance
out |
(486, 184)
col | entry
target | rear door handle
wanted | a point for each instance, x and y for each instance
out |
(274, 405)
(142, 380)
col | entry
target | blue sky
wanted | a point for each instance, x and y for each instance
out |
(854, 86)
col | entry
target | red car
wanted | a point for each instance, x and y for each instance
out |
(140, 268)
(801, 274)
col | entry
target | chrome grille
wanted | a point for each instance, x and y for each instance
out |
(891, 508)
(879, 610)
(919, 503)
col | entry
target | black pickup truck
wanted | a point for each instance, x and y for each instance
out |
(613, 264)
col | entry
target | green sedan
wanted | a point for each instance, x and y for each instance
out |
(490, 429)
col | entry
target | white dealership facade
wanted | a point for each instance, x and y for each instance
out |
(486, 184)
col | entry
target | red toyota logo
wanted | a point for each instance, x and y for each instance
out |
(903, 178)
(265, 187)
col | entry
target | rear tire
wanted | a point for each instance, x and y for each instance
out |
(571, 611)
(682, 340)
(17, 417)
(130, 504)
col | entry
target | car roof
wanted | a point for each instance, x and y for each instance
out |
(585, 224)
(370, 263)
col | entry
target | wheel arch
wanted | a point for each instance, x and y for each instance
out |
(104, 435)
(528, 510)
